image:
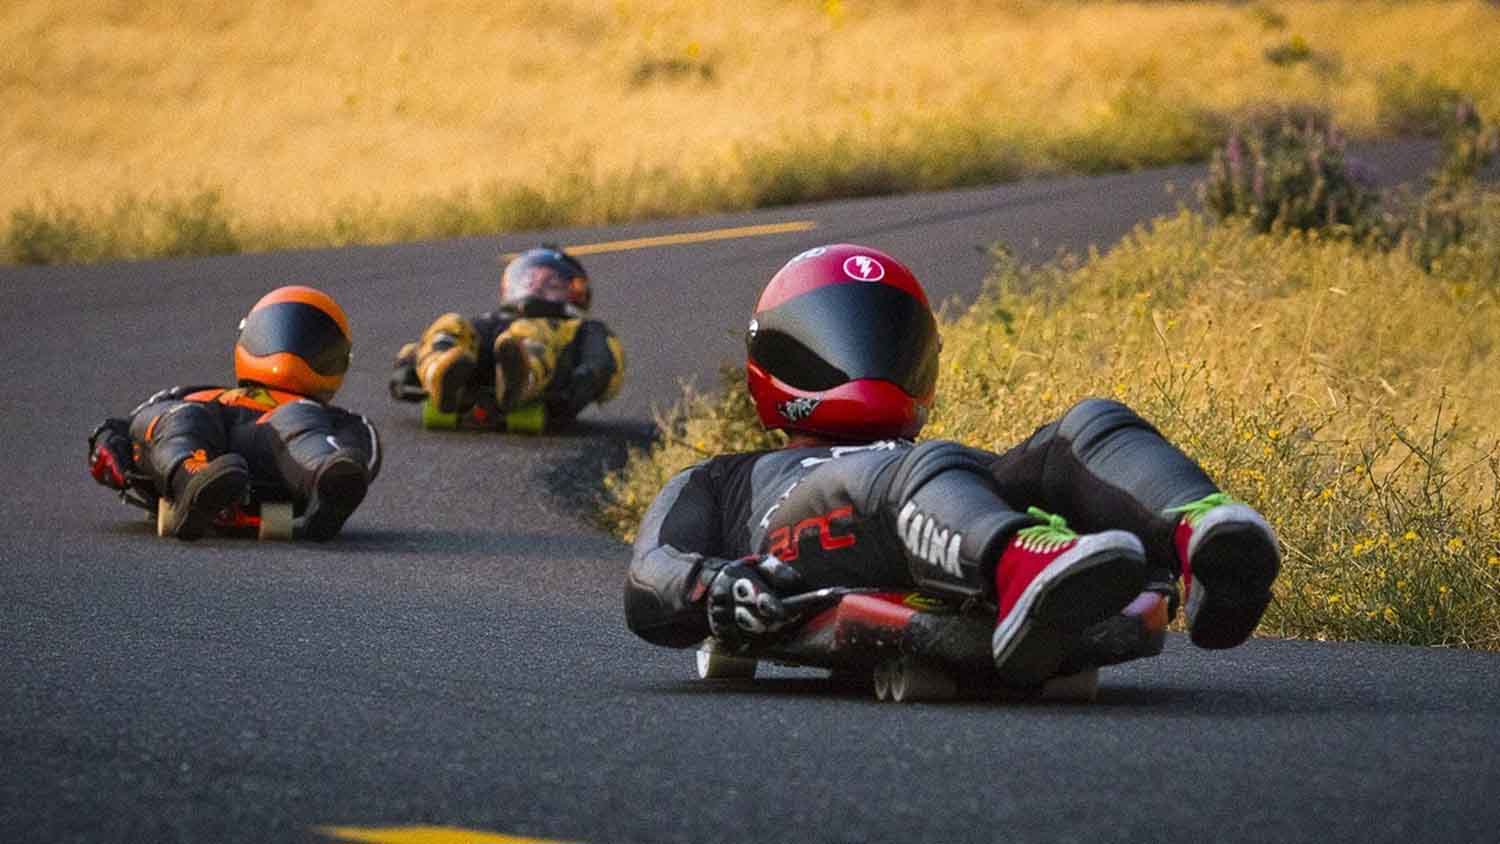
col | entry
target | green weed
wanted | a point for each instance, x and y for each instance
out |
(1287, 168)
(55, 233)
(1412, 103)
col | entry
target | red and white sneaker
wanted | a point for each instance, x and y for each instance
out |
(1229, 558)
(1053, 585)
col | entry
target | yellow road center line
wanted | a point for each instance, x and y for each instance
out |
(684, 237)
(422, 835)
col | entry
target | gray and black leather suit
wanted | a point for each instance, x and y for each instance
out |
(284, 438)
(932, 516)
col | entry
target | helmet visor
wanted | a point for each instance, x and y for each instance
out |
(544, 275)
(845, 332)
(297, 329)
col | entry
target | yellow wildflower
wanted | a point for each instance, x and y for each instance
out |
(1391, 617)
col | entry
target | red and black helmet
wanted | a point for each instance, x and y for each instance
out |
(843, 344)
(296, 339)
(546, 276)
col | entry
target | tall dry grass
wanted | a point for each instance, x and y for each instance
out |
(370, 120)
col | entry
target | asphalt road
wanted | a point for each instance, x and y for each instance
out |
(458, 659)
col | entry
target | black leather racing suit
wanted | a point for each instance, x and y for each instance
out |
(285, 438)
(933, 516)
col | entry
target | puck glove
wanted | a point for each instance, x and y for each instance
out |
(109, 453)
(744, 606)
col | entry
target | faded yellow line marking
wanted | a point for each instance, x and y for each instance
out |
(423, 835)
(683, 237)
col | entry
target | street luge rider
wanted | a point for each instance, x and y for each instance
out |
(1076, 538)
(538, 346)
(203, 448)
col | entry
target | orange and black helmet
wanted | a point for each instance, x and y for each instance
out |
(295, 339)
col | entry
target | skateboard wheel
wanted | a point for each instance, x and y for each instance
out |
(713, 665)
(164, 514)
(880, 680)
(434, 418)
(912, 680)
(1082, 687)
(527, 419)
(275, 520)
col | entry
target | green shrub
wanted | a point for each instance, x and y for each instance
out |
(55, 233)
(1453, 219)
(1292, 51)
(195, 226)
(1468, 146)
(39, 235)
(1268, 17)
(1287, 169)
(1410, 103)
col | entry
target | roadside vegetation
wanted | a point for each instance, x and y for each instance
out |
(1330, 355)
(146, 128)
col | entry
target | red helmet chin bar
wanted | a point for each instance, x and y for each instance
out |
(863, 409)
(843, 344)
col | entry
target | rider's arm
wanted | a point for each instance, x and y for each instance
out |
(677, 553)
(110, 453)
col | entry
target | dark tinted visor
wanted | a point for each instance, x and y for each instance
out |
(845, 332)
(298, 329)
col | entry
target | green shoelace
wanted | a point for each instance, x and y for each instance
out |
(1194, 511)
(1052, 534)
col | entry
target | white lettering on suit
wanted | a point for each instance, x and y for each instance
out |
(841, 450)
(928, 540)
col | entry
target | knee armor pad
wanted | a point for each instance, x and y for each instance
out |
(445, 361)
(950, 518)
(448, 331)
(1090, 420)
(182, 431)
(445, 376)
(526, 355)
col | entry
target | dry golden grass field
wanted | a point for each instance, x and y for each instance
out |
(372, 120)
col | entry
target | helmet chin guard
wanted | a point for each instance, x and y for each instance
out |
(843, 344)
(296, 339)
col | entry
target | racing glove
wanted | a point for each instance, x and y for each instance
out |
(109, 453)
(744, 606)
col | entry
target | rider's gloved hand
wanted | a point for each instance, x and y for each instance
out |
(744, 606)
(109, 453)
